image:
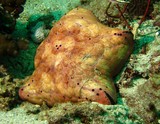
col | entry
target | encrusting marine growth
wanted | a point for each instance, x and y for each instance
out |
(77, 61)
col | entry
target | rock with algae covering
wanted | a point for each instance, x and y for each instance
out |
(89, 113)
(140, 83)
(8, 90)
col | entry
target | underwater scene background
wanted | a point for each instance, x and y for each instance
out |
(25, 24)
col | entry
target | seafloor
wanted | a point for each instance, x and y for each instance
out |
(138, 83)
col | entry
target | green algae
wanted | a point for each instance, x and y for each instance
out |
(23, 64)
(142, 41)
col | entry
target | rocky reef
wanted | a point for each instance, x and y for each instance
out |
(8, 90)
(137, 85)
(10, 45)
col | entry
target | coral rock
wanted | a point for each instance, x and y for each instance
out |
(77, 61)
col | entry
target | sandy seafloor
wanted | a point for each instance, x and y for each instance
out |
(138, 82)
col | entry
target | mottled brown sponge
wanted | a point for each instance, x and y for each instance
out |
(77, 61)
